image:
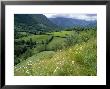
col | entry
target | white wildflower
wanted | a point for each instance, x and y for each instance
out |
(27, 71)
(80, 47)
(56, 69)
(72, 62)
(60, 50)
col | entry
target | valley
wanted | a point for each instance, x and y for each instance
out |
(50, 50)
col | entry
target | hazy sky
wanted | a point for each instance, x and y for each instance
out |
(87, 17)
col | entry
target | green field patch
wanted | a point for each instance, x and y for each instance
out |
(37, 38)
(61, 33)
(56, 43)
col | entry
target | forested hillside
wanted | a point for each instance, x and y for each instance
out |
(33, 23)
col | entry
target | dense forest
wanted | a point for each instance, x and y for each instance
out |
(54, 46)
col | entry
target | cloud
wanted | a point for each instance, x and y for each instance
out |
(87, 17)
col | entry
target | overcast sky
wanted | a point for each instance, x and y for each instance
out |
(87, 17)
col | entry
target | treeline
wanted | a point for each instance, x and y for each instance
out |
(33, 28)
(78, 28)
(20, 47)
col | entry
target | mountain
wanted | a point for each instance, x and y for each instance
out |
(33, 22)
(70, 22)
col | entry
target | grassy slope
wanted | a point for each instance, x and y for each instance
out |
(74, 61)
(24, 66)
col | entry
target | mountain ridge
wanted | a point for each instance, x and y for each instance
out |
(70, 22)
